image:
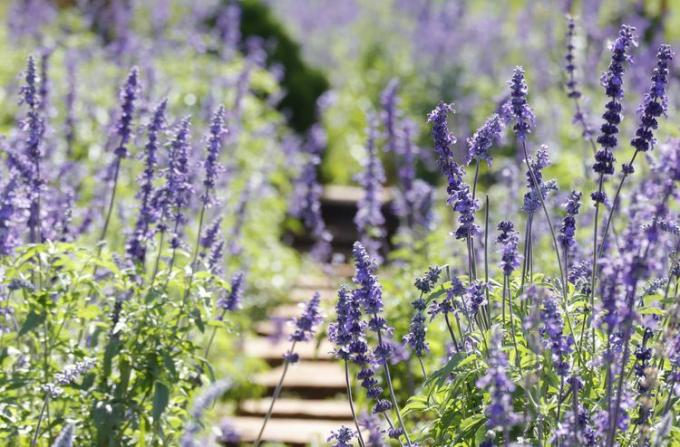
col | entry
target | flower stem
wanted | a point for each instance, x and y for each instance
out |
(351, 405)
(277, 392)
(393, 397)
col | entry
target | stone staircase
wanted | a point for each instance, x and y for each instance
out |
(313, 401)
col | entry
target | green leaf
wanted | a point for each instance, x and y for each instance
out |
(161, 397)
(33, 320)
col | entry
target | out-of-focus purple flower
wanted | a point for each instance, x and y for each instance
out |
(229, 435)
(484, 138)
(307, 322)
(232, 301)
(44, 90)
(518, 107)
(532, 200)
(210, 236)
(34, 127)
(369, 219)
(306, 200)
(70, 103)
(376, 434)
(499, 411)
(570, 67)
(136, 246)
(655, 102)
(552, 330)
(341, 437)
(211, 164)
(66, 436)
(229, 26)
(612, 80)
(128, 96)
(216, 257)
(573, 91)
(508, 239)
(389, 101)
(8, 237)
(568, 229)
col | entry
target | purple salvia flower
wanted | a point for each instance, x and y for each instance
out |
(475, 296)
(552, 330)
(388, 101)
(211, 164)
(518, 107)
(532, 201)
(341, 437)
(369, 219)
(209, 238)
(443, 139)
(136, 247)
(499, 411)
(232, 301)
(508, 239)
(369, 293)
(568, 229)
(612, 80)
(66, 436)
(179, 186)
(484, 138)
(655, 102)
(417, 331)
(342, 331)
(128, 96)
(306, 323)
(460, 196)
(216, 257)
(426, 282)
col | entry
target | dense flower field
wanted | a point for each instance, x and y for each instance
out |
(161, 163)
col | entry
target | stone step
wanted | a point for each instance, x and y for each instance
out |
(297, 432)
(311, 379)
(331, 409)
(272, 351)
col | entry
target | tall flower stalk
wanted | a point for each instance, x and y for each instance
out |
(369, 295)
(128, 96)
(212, 168)
(612, 81)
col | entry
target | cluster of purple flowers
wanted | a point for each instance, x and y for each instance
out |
(568, 229)
(538, 189)
(508, 239)
(612, 81)
(499, 411)
(460, 195)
